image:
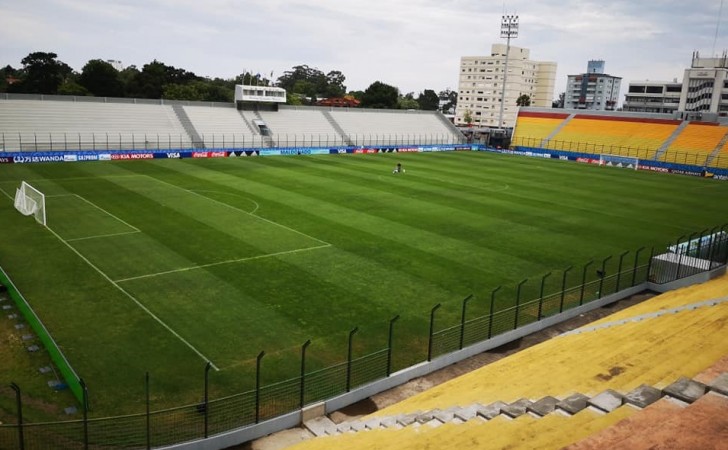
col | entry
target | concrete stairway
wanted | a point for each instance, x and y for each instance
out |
(556, 130)
(665, 145)
(684, 390)
(184, 119)
(267, 139)
(717, 150)
(338, 128)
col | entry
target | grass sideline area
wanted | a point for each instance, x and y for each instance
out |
(159, 266)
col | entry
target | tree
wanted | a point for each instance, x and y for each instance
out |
(523, 100)
(335, 84)
(153, 76)
(428, 100)
(468, 117)
(408, 102)
(312, 82)
(101, 79)
(70, 87)
(43, 73)
(380, 95)
(559, 103)
(450, 99)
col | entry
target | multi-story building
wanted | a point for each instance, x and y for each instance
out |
(705, 85)
(653, 96)
(480, 87)
(593, 90)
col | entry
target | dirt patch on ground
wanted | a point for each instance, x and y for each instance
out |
(287, 438)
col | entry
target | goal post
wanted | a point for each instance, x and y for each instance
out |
(626, 162)
(31, 202)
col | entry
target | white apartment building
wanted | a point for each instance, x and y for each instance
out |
(480, 86)
(705, 85)
(653, 96)
(593, 90)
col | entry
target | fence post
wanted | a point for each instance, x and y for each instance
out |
(563, 288)
(518, 302)
(492, 304)
(540, 296)
(348, 358)
(462, 320)
(389, 343)
(303, 369)
(636, 261)
(207, 397)
(432, 327)
(583, 281)
(148, 418)
(257, 385)
(19, 407)
(700, 243)
(619, 271)
(84, 391)
(602, 274)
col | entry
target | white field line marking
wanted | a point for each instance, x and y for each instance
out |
(257, 206)
(108, 213)
(229, 261)
(144, 308)
(102, 236)
(123, 291)
(7, 195)
(240, 210)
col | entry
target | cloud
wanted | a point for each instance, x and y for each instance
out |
(413, 45)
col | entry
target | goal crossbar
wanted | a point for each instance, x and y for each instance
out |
(30, 201)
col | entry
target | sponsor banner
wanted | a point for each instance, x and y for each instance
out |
(130, 156)
(88, 157)
(104, 156)
(236, 153)
(169, 155)
(587, 160)
(319, 151)
(37, 158)
(70, 158)
(6, 160)
(269, 152)
(407, 149)
(340, 151)
(366, 150)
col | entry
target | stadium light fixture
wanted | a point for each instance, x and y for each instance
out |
(509, 30)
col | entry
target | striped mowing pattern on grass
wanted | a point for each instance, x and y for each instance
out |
(235, 256)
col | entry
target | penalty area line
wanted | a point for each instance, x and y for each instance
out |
(219, 263)
(134, 299)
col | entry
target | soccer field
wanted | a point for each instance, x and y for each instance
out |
(159, 266)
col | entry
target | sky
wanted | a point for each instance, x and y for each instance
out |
(413, 45)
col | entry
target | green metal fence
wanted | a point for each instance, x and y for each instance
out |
(557, 292)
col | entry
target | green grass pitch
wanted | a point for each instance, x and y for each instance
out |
(158, 266)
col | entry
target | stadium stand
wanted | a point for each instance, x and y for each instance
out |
(531, 129)
(616, 135)
(668, 349)
(220, 126)
(293, 127)
(698, 139)
(386, 127)
(56, 125)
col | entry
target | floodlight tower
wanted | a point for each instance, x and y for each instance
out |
(509, 30)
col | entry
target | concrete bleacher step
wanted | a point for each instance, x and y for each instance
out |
(684, 390)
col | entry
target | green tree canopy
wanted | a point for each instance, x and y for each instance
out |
(312, 82)
(101, 79)
(42, 74)
(523, 100)
(380, 95)
(451, 100)
(407, 101)
(428, 100)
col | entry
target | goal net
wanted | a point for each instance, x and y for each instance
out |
(626, 162)
(30, 202)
